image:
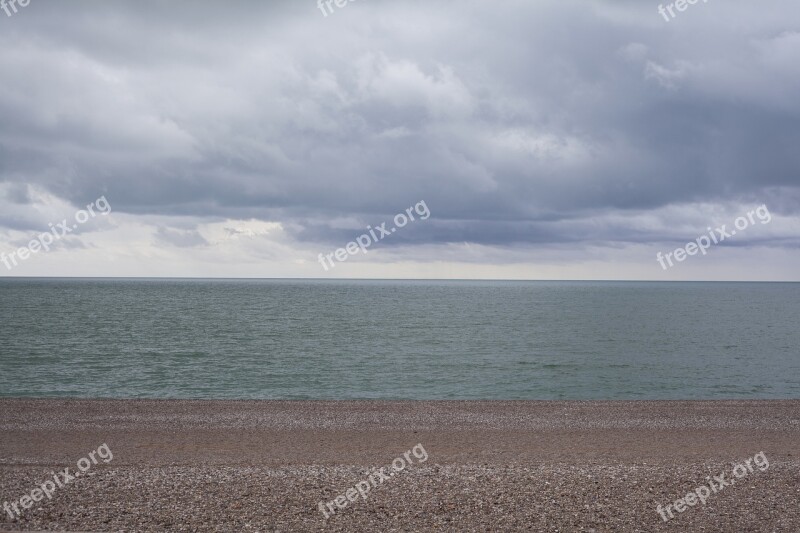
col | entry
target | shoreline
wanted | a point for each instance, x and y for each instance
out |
(263, 465)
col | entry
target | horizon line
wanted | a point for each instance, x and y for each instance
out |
(393, 279)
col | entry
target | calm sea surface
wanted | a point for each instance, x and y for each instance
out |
(398, 339)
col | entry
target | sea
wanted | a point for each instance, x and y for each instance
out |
(389, 339)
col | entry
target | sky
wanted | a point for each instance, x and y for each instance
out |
(546, 139)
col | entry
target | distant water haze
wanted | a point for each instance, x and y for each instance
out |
(290, 339)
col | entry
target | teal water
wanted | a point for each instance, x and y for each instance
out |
(398, 339)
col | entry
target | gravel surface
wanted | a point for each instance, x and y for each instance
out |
(491, 466)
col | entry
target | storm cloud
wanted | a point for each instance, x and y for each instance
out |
(556, 138)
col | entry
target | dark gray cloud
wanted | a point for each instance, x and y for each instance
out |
(517, 122)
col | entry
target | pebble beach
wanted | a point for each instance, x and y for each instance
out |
(181, 465)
